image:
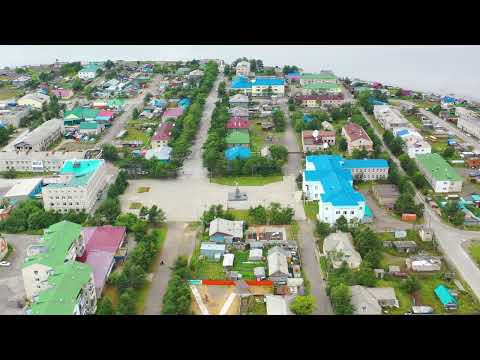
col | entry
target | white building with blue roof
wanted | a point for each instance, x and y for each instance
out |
(329, 179)
(414, 143)
(260, 86)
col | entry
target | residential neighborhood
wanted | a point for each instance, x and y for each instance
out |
(213, 187)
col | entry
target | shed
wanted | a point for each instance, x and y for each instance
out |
(259, 272)
(405, 246)
(228, 260)
(212, 250)
(426, 233)
(400, 234)
(379, 273)
(276, 305)
(424, 263)
(256, 244)
(255, 255)
(446, 298)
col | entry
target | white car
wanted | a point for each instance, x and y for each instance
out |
(4, 263)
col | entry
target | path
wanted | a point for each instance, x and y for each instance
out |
(180, 240)
(198, 299)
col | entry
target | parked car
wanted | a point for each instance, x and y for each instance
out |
(4, 263)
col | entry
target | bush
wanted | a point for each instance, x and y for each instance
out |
(177, 299)
(341, 296)
(303, 305)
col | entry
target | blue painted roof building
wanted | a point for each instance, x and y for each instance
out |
(241, 82)
(307, 118)
(237, 152)
(268, 81)
(447, 299)
(184, 103)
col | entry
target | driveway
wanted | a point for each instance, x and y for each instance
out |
(11, 282)
(180, 240)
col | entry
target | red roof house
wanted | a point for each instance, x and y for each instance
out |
(173, 113)
(357, 137)
(63, 93)
(238, 123)
(163, 133)
(102, 244)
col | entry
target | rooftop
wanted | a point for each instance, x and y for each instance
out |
(319, 76)
(438, 167)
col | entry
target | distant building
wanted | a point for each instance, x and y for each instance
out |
(324, 77)
(63, 93)
(315, 101)
(414, 143)
(34, 100)
(89, 72)
(468, 121)
(242, 68)
(389, 118)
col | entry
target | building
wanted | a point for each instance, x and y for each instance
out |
(423, 263)
(255, 255)
(448, 301)
(238, 139)
(278, 265)
(439, 174)
(225, 231)
(161, 153)
(238, 123)
(277, 305)
(325, 179)
(13, 115)
(314, 140)
(339, 248)
(324, 77)
(212, 250)
(267, 86)
(21, 80)
(389, 118)
(34, 100)
(367, 169)
(239, 100)
(89, 72)
(242, 68)
(315, 101)
(77, 187)
(386, 194)
(78, 115)
(242, 85)
(36, 161)
(91, 128)
(63, 94)
(370, 301)
(162, 135)
(414, 144)
(104, 247)
(468, 121)
(322, 88)
(239, 112)
(24, 189)
(357, 138)
(41, 137)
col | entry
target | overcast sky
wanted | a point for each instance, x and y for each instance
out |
(445, 69)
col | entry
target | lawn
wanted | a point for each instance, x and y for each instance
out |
(134, 134)
(209, 270)
(143, 189)
(258, 137)
(135, 205)
(247, 180)
(439, 146)
(7, 93)
(241, 215)
(474, 251)
(256, 307)
(27, 174)
(311, 210)
(245, 267)
(414, 120)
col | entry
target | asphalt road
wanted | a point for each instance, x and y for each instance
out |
(448, 238)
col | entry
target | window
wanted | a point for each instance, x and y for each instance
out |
(352, 212)
(338, 212)
(35, 272)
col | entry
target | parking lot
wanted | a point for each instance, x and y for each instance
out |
(11, 283)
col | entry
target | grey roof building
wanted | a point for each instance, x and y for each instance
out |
(339, 248)
(277, 264)
(41, 137)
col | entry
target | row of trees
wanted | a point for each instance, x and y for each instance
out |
(279, 120)
(177, 299)
(274, 214)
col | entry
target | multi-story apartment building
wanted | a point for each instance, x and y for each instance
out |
(357, 138)
(314, 101)
(36, 161)
(389, 118)
(242, 68)
(468, 121)
(439, 174)
(367, 169)
(260, 86)
(41, 137)
(77, 187)
(414, 143)
(323, 77)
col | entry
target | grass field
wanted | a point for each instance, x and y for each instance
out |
(7, 93)
(247, 180)
(474, 251)
(311, 210)
(143, 189)
(137, 135)
(135, 205)
(245, 267)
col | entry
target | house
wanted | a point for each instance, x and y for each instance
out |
(21, 80)
(79, 114)
(242, 68)
(424, 263)
(314, 140)
(324, 77)
(259, 272)
(278, 265)
(24, 189)
(89, 72)
(293, 76)
(237, 152)
(104, 247)
(370, 301)
(439, 174)
(426, 233)
(325, 179)
(63, 94)
(239, 100)
(34, 100)
(267, 86)
(91, 128)
(255, 255)
(468, 121)
(315, 101)
(242, 85)
(36, 161)
(405, 246)
(77, 187)
(386, 194)
(322, 88)
(389, 118)
(161, 153)
(228, 261)
(239, 112)
(172, 113)
(212, 250)
(448, 301)
(13, 115)
(104, 117)
(4, 248)
(339, 248)
(225, 231)
(277, 305)
(238, 123)
(238, 139)
(357, 138)
(41, 137)
(414, 144)
(162, 135)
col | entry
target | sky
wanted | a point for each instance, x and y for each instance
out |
(443, 69)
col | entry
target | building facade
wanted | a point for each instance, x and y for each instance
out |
(357, 138)
(243, 68)
(36, 161)
(468, 121)
(41, 137)
(389, 118)
(439, 174)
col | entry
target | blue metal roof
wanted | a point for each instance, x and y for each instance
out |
(184, 102)
(365, 163)
(448, 99)
(402, 132)
(307, 118)
(237, 152)
(374, 101)
(240, 82)
(267, 81)
(294, 73)
(444, 295)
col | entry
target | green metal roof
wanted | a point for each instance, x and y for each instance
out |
(438, 167)
(90, 68)
(318, 76)
(238, 137)
(322, 86)
(80, 113)
(57, 241)
(88, 125)
(66, 283)
(115, 102)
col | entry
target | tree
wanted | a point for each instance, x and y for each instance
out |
(105, 307)
(109, 152)
(341, 296)
(77, 84)
(359, 154)
(135, 114)
(323, 229)
(258, 215)
(279, 153)
(126, 303)
(458, 219)
(365, 275)
(343, 145)
(156, 216)
(342, 224)
(303, 305)
(411, 284)
(279, 120)
(109, 64)
(11, 173)
(448, 152)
